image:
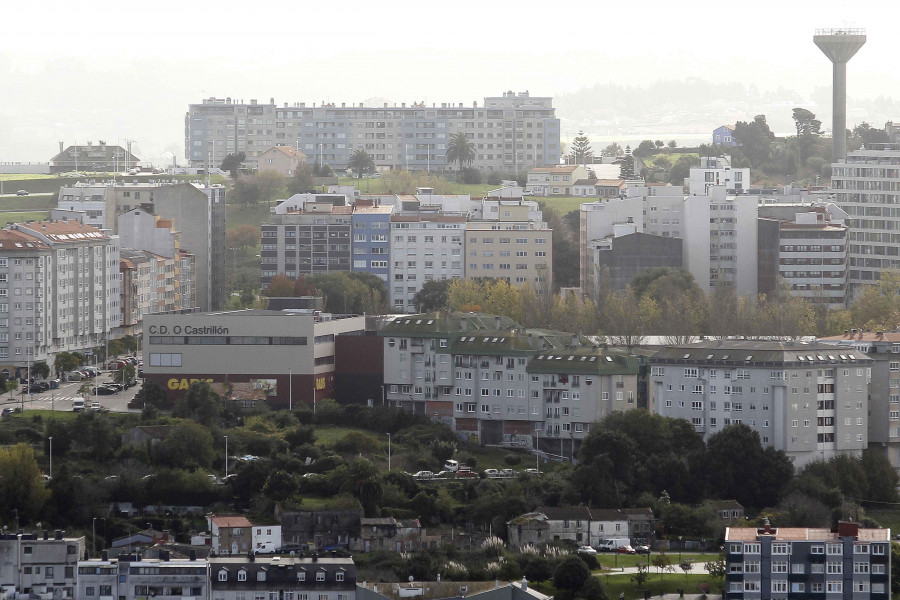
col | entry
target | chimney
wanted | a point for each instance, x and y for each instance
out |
(462, 324)
(164, 555)
(193, 555)
(104, 555)
(61, 147)
(497, 323)
(58, 534)
(315, 557)
(251, 557)
(46, 533)
(847, 529)
(524, 584)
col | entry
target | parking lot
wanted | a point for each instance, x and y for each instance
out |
(62, 397)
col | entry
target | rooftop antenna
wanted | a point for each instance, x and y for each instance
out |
(839, 45)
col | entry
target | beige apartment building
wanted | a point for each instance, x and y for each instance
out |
(508, 243)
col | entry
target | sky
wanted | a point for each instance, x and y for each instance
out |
(97, 69)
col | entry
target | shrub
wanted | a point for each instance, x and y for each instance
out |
(512, 459)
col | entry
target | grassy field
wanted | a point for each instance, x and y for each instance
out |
(21, 217)
(32, 202)
(246, 215)
(886, 518)
(657, 584)
(632, 560)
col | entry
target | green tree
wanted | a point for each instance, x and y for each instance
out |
(361, 162)
(280, 486)
(243, 236)
(151, 394)
(682, 169)
(581, 152)
(270, 185)
(640, 577)
(232, 163)
(200, 404)
(645, 149)
(433, 295)
(626, 166)
(716, 570)
(686, 567)
(661, 561)
(461, 150)
(64, 362)
(806, 122)
(570, 575)
(21, 483)
(281, 286)
(246, 190)
(125, 374)
(895, 568)
(188, 446)
(612, 150)
(302, 181)
(40, 370)
(672, 144)
(755, 139)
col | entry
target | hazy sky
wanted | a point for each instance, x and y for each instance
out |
(91, 70)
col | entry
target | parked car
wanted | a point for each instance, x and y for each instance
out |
(6, 411)
(642, 549)
(423, 475)
(22, 193)
(612, 544)
(287, 548)
(34, 388)
(129, 384)
(96, 406)
(444, 474)
(102, 390)
(508, 473)
(586, 550)
(491, 473)
(112, 384)
(532, 471)
(626, 550)
(466, 474)
(42, 385)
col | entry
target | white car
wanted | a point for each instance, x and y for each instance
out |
(586, 550)
(491, 473)
(508, 473)
(423, 475)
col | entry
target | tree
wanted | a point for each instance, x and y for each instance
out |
(66, 361)
(232, 162)
(200, 404)
(581, 152)
(640, 577)
(716, 570)
(433, 295)
(151, 394)
(361, 162)
(302, 181)
(243, 236)
(125, 375)
(755, 139)
(672, 144)
(681, 170)
(644, 149)
(245, 190)
(865, 135)
(281, 286)
(188, 445)
(270, 185)
(22, 487)
(661, 561)
(806, 122)
(40, 370)
(612, 150)
(570, 575)
(626, 170)
(461, 150)
(686, 567)
(659, 144)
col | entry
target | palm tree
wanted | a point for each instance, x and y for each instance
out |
(361, 162)
(461, 150)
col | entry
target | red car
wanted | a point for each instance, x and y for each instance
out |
(626, 550)
(465, 474)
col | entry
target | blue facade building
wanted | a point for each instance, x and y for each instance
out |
(371, 225)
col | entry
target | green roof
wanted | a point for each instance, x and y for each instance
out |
(587, 361)
(442, 324)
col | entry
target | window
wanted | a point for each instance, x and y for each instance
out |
(780, 548)
(779, 566)
(242, 575)
(320, 575)
(834, 568)
(779, 586)
(339, 576)
(834, 586)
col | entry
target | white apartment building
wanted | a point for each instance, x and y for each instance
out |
(717, 170)
(494, 381)
(555, 180)
(59, 290)
(867, 186)
(511, 132)
(425, 244)
(809, 400)
(599, 221)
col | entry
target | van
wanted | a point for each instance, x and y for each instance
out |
(612, 544)
(451, 465)
(265, 548)
(78, 404)
(74, 376)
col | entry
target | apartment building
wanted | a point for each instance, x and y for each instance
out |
(91, 157)
(809, 400)
(59, 290)
(282, 578)
(494, 381)
(136, 576)
(866, 185)
(718, 170)
(771, 563)
(154, 284)
(426, 244)
(43, 566)
(312, 240)
(555, 180)
(599, 188)
(197, 210)
(628, 253)
(599, 221)
(883, 347)
(510, 242)
(371, 237)
(806, 248)
(511, 132)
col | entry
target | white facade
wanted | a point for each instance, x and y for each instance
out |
(807, 400)
(141, 230)
(265, 537)
(717, 170)
(423, 247)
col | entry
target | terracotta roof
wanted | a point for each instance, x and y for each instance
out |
(231, 521)
(288, 150)
(615, 182)
(559, 169)
(11, 239)
(868, 336)
(802, 534)
(62, 231)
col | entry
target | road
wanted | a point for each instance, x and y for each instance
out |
(61, 398)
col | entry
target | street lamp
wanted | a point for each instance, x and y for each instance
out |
(680, 547)
(226, 456)
(389, 452)
(94, 534)
(51, 457)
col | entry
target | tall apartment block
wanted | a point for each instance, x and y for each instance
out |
(866, 185)
(371, 237)
(779, 563)
(809, 400)
(806, 248)
(511, 133)
(59, 290)
(883, 347)
(198, 212)
(493, 380)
